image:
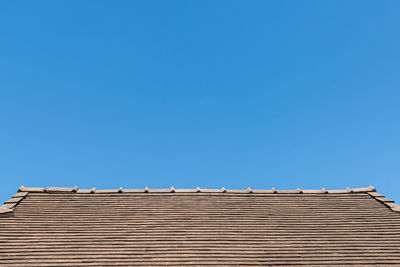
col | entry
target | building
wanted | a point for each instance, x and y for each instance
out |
(155, 227)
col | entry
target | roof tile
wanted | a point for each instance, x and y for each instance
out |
(159, 190)
(186, 190)
(375, 194)
(5, 210)
(106, 191)
(289, 191)
(126, 227)
(264, 191)
(348, 190)
(55, 190)
(383, 199)
(14, 200)
(234, 191)
(31, 189)
(320, 191)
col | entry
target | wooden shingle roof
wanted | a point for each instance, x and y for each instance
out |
(153, 227)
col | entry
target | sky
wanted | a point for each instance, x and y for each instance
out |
(234, 94)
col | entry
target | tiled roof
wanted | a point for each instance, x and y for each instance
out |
(151, 227)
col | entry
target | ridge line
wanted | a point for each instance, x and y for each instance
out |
(75, 189)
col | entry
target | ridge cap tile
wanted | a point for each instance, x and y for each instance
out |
(211, 190)
(133, 190)
(159, 190)
(107, 191)
(363, 190)
(295, 191)
(84, 191)
(55, 190)
(237, 191)
(186, 191)
(312, 191)
(338, 191)
(31, 189)
(262, 191)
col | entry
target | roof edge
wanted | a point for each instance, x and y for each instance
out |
(70, 190)
(9, 205)
(387, 202)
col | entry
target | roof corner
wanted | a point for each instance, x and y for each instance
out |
(9, 205)
(382, 199)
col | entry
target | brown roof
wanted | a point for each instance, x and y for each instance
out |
(150, 227)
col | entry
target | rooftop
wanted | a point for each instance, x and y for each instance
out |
(126, 227)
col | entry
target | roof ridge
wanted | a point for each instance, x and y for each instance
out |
(75, 189)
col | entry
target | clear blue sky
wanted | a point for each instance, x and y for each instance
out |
(264, 94)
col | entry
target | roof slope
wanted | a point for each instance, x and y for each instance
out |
(74, 227)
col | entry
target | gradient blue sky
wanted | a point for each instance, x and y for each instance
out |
(264, 94)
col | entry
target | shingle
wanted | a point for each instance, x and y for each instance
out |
(198, 227)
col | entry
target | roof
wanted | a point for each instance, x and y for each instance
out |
(150, 227)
